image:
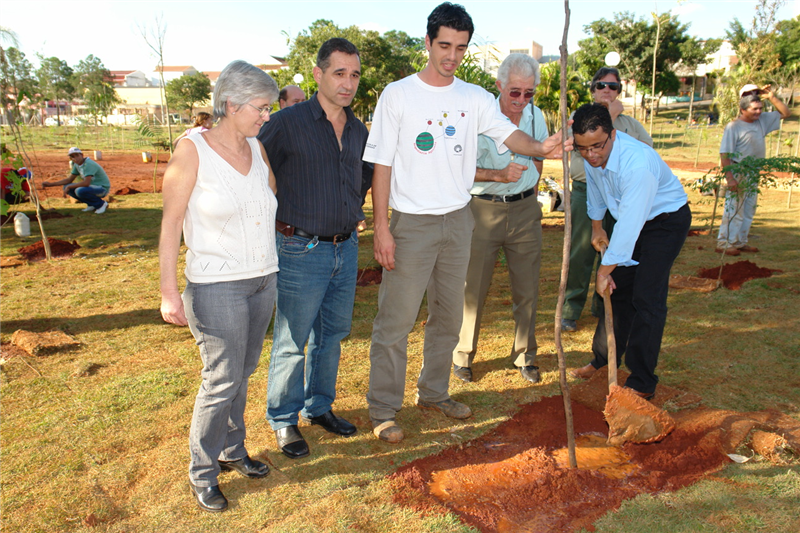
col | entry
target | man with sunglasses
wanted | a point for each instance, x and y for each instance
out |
(507, 214)
(605, 88)
(629, 180)
(315, 149)
(745, 137)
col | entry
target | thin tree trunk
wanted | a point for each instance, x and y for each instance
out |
(562, 289)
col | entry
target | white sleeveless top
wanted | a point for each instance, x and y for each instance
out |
(229, 227)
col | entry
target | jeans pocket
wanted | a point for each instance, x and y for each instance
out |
(294, 246)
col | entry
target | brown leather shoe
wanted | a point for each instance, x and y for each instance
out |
(749, 249)
(584, 372)
(645, 395)
(728, 251)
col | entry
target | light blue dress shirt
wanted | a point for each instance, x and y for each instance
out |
(636, 186)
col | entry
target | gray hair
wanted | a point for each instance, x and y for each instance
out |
(239, 83)
(521, 65)
(745, 102)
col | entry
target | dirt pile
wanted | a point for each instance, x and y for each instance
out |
(369, 276)
(515, 478)
(734, 275)
(127, 190)
(58, 248)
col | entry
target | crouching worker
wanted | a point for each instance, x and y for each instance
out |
(94, 184)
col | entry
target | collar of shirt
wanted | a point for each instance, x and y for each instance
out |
(319, 113)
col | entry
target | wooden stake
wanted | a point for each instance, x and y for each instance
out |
(562, 288)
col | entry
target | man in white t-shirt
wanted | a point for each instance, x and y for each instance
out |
(745, 137)
(423, 143)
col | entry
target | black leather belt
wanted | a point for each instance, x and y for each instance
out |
(506, 198)
(290, 231)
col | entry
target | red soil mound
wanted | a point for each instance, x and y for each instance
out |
(58, 248)
(369, 276)
(127, 190)
(735, 274)
(516, 478)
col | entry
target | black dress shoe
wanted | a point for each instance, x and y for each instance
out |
(531, 373)
(291, 442)
(464, 373)
(246, 467)
(210, 498)
(332, 423)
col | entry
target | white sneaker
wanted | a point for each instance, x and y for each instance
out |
(102, 210)
(88, 208)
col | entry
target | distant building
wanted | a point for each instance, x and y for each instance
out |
(492, 54)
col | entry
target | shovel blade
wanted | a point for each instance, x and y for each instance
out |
(631, 418)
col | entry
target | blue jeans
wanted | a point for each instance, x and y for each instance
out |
(316, 291)
(229, 321)
(90, 195)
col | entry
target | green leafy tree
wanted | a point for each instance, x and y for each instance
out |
(635, 40)
(55, 81)
(188, 92)
(383, 59)
(548, 93)
(93, 83)
(788, 41)
(18, 83)
(471, 71)
(759, 58)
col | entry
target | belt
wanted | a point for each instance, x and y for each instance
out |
(291, 231)
(506, 198)
(664, 216)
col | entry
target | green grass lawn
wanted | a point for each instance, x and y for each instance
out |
(95, 438)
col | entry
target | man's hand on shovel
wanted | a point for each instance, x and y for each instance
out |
(604, 284)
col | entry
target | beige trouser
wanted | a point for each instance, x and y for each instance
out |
(432, 254)
(517, 227)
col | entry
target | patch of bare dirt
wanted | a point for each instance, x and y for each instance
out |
(516, 478)
(125, 171)
(58, 248)
(369, 276)
(734, 275)
(127, 190)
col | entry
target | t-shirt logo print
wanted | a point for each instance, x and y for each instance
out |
(426, 142)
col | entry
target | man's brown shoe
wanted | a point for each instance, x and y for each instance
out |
(584, 372)
(749, 249)
(728, 251)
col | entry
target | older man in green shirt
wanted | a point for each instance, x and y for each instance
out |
(94, 184)
(507, 214)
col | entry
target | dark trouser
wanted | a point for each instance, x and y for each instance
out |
(640, 300)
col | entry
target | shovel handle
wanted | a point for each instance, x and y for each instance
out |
(611, 341)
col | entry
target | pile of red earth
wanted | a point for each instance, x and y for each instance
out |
(734, 275)
(58, 248)
(517, 477)
(126, 190)
(369, 276)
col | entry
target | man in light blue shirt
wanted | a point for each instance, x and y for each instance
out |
(507, 213)
(630, 180)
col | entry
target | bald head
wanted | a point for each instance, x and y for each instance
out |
(290, 95)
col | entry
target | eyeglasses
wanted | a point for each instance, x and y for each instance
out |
(262, 111)
(600, 85)
(517, 94)
(594, 148)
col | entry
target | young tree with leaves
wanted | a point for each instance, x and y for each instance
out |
(188, 92)
(55, 81)
(92, 81)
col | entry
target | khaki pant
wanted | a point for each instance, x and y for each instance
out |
(517, 227)
(432, 254)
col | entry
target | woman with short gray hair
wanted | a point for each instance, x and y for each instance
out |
(219, 191)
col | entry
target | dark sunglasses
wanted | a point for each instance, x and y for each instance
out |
(600, 85)
(516, 94)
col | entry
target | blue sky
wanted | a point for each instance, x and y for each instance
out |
(210, 34)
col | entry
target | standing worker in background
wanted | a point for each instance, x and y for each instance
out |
(745, 137)
(507, 213)
(606, 88)
(94, 184)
